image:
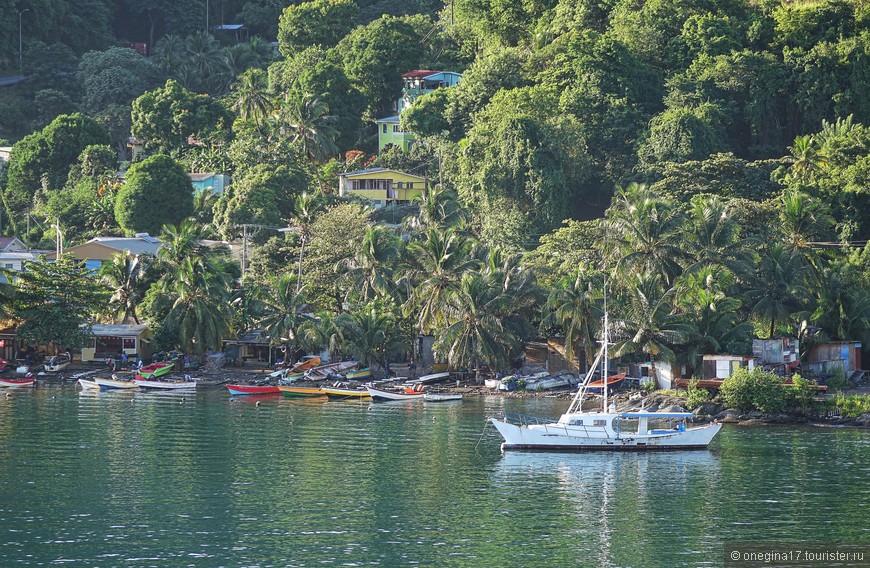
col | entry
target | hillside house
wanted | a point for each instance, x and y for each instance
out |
(382, 186)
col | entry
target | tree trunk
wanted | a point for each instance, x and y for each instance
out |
(299, 276)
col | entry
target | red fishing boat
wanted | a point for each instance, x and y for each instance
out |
(253, 389)
(613, 383)
(14, 383)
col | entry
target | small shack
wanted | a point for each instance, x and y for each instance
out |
(824, 358)
(108, 340)
(779, 355)
(723, 366)
(250, 345)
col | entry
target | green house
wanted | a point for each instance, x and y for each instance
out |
(416, 83)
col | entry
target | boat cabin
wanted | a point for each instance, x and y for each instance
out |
(616, 424)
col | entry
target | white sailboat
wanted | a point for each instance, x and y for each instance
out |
(604, 429)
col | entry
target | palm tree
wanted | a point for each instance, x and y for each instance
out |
(435, 268)
(371, 333)
(251, 97)
(439, 208)
(643, 233)
(169, 53)
(308, 122)
(371, 268)
(842, 307)
(777, 286)
(702, 298)
(648, 323)
(477, 308)
(305, 210)
(713, 236)
(804, 219)
(202, 53)
(128, 277)
(806, 158)
(203, 202)
(232, 62)
(197, 277)
(576, 305)
(284, 310)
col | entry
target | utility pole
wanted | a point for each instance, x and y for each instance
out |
(206, 16)
(244, 249)
(20, 40)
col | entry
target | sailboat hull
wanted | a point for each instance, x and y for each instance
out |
(554, 437)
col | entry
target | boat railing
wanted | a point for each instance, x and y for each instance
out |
(560, 429)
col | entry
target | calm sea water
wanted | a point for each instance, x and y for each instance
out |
(120, 479)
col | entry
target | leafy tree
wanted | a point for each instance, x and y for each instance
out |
(329, 83)
(425, 117)
(150, 185)
(318, 22)
(166, 118)
(370, 271)
(284, 310)
(375, 55)
(43, 159)
(371, 332)
(114, 76)
(56, 302)
(683, 134)
(562, 251)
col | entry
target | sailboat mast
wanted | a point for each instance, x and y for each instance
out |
(606, 339)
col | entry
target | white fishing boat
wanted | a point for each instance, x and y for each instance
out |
(604, 429)
(441, 397)
(57, 363)
(323, 371)
(165, 385)
(114, 384)
(89, 385)
(386, 396)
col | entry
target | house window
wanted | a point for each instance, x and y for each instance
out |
(385, 129)
(399, 185)
(8, 266)
(396, 128)
(409, 185)
(129, 343)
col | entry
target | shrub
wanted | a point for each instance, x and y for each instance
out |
(852, 406)
(799, 394)
(753, 390)
(695, 395)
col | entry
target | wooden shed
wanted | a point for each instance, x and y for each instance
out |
(825, 357)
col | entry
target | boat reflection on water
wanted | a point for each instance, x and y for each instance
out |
(611, 501)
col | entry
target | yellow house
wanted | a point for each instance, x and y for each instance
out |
(384, 187)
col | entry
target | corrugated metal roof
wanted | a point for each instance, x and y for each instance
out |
(118, 329)
(389, 119)
(420, 73)
(377, 171)
(136, 245)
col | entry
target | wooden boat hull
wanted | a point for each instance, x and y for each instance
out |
(324, 371)
(301, 392)
(165, 385)
(388, 396)
(305, 365)
(238, 390)
(362, 374)
(613, 383)
(17, 383)
(345, 394)
(114, 384)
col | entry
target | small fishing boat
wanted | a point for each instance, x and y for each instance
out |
(17, 383)
(89, 385)
(323, 371)
(164, 385)
(340, 393)
(613, 383)
(492, 383)
(57, 363)
(237, 390)
(307, 362)
(359, 375)
(441, 397)
(114, 384)
(301, 392)
(386, 396)
(156, 370)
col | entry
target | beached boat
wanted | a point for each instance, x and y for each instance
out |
(430, 379)
(441, 397)
(57, 363)
(164, 385)
(604, 429)
(307, 362)
(17, 383)
(323, 371)
(613, 383)
(492, 383)
(156, 370)
(359, 375)
(301, 392)
(387, 396)
(114, 384)
(89, 384)
(546, 381)
(340, 393)
(238, 390)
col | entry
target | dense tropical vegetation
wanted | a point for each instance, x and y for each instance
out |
(708, 161)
